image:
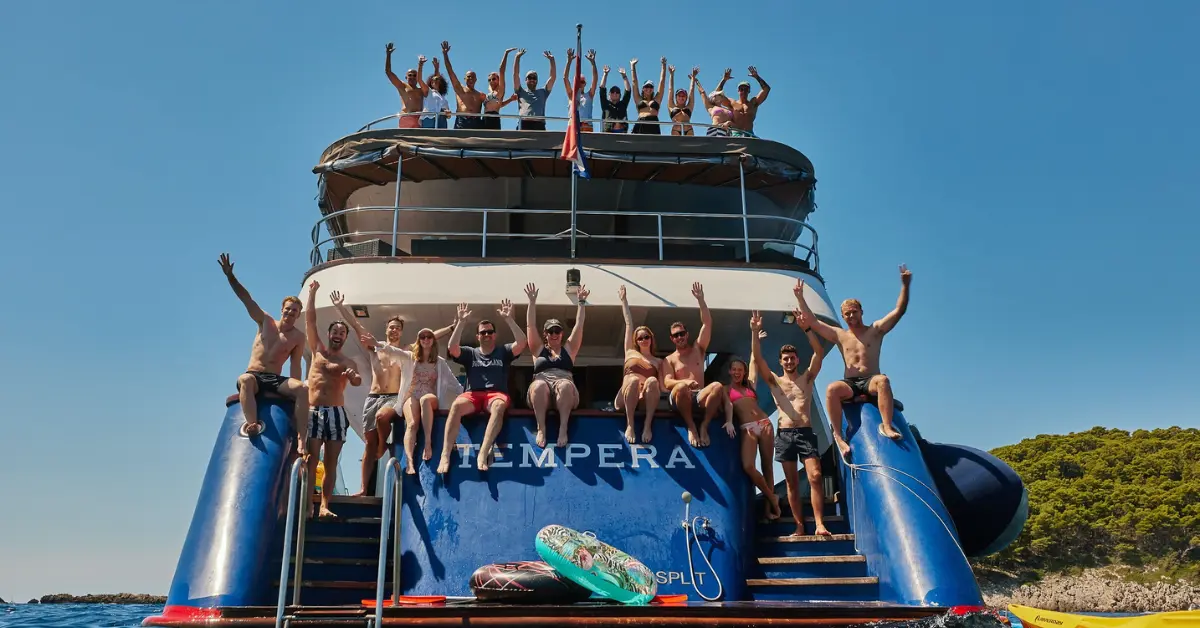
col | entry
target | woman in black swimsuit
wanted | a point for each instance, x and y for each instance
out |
(649, 101)
(681, 111)
(553, 358)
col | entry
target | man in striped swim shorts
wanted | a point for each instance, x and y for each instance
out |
(329, 372)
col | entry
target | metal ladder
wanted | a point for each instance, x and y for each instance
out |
(392, 490)
(297, 493)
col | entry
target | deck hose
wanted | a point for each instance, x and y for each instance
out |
(690, 536)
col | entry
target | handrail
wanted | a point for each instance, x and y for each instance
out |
(595, 122)
(392, 491)
(297, 478)
(811, 254)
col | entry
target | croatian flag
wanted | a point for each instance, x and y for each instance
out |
(572, 150)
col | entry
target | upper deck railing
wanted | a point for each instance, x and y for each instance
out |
(560, 123)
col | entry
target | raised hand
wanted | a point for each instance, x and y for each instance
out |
(337, 298)
(505, 309)
(531, 291)
(226, 265)
(445, 46)
(633, 62)
(663, 60)
(905, 275)
(728, 73)
(762, 334)
(520, 53)
(436, 64)
(606, 69)
(756, 322)
(549, 55)
(753, 71)
(391, 48)
(421, 60)
(695, 71)
(313, 286)
(583, 294)
(621, 71)
(509, 50)
(698, 291)
(570, 54)
(591, 54)
(671, 69)
(804, 320)
(621, 293)
(463, 312)
(799, 289)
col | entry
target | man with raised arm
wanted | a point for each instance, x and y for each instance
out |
(274, 343)
(329, 371)
(531, 98)
(470, 100)
(487, 380)
(745, 108)
(684, 375)
(795, 440)
(616, 106)
(860, 345)
(412, 92)
(382, 405)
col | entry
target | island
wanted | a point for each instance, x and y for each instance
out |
(103, 598)
(1114, 523)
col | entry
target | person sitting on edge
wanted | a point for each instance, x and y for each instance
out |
(649, 101)
(328, 373)
(586, 96)
(681, 109)
(553, 381)
(642, 375)
(745, 108)
(487, 381)
(532, 99)
(470, 100)
(860, 347)
(411, 93)
(795, 439)
(274, 343)
(494, 101)
(435, 100)
(616, 106)
(684, 375)
(758, 434)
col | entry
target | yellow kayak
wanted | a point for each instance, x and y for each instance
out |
(1038, 618)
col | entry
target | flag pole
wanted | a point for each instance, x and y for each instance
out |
(575, 101)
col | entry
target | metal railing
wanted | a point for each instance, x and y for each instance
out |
(808, 251)
(392, 493)
(297, 494)
(699, 128)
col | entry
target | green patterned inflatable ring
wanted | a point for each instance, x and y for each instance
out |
(598, 566)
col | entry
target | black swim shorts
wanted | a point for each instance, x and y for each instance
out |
(860, 385)
(267, 382)
(795, 443)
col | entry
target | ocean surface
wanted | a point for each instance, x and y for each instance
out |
(123, 616)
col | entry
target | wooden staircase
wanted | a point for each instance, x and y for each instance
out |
(341, 556)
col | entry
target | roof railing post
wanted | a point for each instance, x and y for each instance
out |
(485, 213)
(745, 221)
(660, 243)
(396, 210)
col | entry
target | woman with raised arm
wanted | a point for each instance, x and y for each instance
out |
(758, 434)
(642, 375)
(719, 107)
(494, 101)
(553, 359)
(681, 109)
(435, 102)
(649, 101)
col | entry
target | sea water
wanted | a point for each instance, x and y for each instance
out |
(131, 615)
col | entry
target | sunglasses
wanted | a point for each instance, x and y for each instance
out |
(554, 330)
(679, 334)
(487, 332)
(425, 337)
(641, 338)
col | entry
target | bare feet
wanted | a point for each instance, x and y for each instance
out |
(890, 432)
(647, 433)
(630, 435)
(843, 447)
(483, 462)
(694, 438)
(705, 441)
(361, 493)
(326, 513)
(541, 437)
(821, 531)
(773, 510)
(562, 439)
(410, 469)
(427, 455)
(799, 530)
(443, 466)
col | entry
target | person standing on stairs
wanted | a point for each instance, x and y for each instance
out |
(274, 343)
(328, 373)
(795, 440)
(860, 345)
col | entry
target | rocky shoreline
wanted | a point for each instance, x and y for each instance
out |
(1093, 590)
(103, 598)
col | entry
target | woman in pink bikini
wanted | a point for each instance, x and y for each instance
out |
(758, 435)
(718, 106)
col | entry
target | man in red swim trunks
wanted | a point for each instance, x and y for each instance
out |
(487, 380)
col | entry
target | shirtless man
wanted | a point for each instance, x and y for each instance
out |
(487, 381)
(860, 346)
(275, 342)
(470, 100)
(382, 405)
(412, 93)
(328, 373)
(795, 439)
(684, 375)
(745, 108)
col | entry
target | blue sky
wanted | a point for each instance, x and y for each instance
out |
(1033, 163)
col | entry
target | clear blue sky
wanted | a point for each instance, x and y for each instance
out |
(1033, 163)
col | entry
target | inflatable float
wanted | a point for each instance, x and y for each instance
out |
(602, 568)
(1038, 618)
(525, 582)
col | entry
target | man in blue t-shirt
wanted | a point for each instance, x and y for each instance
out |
(487, 380)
